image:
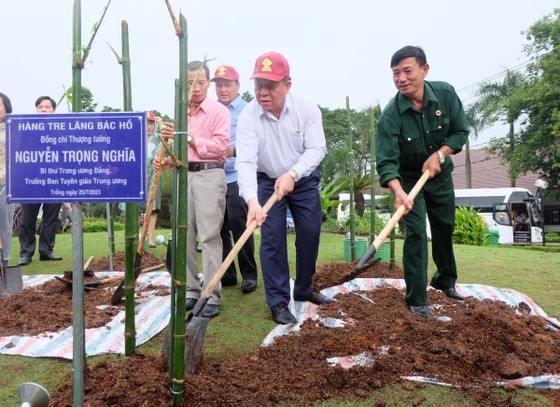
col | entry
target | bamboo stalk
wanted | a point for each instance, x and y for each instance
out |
(131, 212)
(351, 182)
(177, 367)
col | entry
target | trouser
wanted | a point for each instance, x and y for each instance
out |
(305, 205)
(27, 230)
(437, 199)
(206, 205)
(6, 224)
(235, 219)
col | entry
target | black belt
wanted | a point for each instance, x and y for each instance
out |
(204, 166)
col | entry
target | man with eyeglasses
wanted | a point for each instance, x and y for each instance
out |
(226, 80)
(280, 143)
(208, 138)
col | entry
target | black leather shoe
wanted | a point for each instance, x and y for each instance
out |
(24, 261)
(228, 282)
(282, 315)
(450, 292)
(49, 256)
(317, 299)
(421, 310)
(248, 286)
(210, 311)
(189, 304)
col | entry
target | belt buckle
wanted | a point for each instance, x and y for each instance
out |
(195, 167)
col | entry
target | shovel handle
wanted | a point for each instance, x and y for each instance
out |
(151, 200)
(235, 250)
(393, 221)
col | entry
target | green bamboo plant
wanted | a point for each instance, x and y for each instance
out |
(180, 210)
(351, 183)
(131, 213)
(79, 57)
(372, 174)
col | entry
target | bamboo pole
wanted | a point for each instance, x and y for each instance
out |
(372, 174)
(78, 320)
(351, 183)
(131, 212)
(181, 146)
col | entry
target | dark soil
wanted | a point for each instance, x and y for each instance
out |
(483, 343)
(49, 307)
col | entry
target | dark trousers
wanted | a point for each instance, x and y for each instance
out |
(305, 204)
(437, 199)
(235, 219)
(47, 235)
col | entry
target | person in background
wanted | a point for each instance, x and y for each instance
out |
(30, 212)
(226, 80)
(208, 138)
(417, 131)
(6, 210)
(280, 143)
(154, 148)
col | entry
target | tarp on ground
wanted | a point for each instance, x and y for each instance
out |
(152, 316)
(307, 310)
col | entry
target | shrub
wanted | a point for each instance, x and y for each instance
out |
(100, 225)
(470, 227)
(552, 237)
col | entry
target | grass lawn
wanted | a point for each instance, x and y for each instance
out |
(245, 319)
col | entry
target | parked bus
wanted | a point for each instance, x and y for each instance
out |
(343, 209)
(513, 212)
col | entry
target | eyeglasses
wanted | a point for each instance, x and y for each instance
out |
(261, 84)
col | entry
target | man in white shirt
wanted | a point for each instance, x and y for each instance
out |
(280, 143)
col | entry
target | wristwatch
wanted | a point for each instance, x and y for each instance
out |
(293, 174)
(189, 138)
(441, 157)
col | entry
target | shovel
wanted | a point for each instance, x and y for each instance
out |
(196, 324)
(11, 280)
(91, 285)
(370, 252)
(119, 292)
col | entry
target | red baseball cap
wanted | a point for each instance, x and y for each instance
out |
(272, 66)
(226, 72)
(151, 116)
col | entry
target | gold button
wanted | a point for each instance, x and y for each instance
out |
(409, 139)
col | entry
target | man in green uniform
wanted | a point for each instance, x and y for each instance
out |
(417, 131)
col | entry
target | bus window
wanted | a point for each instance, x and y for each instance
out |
(501, 214)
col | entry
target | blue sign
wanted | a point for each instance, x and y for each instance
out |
(76, 157)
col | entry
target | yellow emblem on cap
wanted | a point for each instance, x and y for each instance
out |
(438, 113)
(266, 65)
(221, 70)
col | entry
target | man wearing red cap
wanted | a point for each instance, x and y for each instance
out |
(280, 143)
(226, 80)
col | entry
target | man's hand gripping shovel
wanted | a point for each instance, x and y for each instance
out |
(370, 252)
(196, 324)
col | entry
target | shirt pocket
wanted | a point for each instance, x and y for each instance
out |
(412, 146)
(438, 130)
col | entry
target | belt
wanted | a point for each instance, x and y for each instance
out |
(204, 166)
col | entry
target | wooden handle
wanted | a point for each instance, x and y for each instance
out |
(88, 262)
(235, 250)
(400, 211)
(151, 199)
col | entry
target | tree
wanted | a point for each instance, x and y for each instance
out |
(87, 104)
(476, 123)
(247, 97)
(539, 142)
(503, 101)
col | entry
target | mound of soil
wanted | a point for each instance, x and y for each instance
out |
(472, 345)
(48, 308)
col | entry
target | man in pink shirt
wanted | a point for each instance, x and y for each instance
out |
(208, 138)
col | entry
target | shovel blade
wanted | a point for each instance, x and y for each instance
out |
(196, 332)
(370, 252)
(14, 280)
